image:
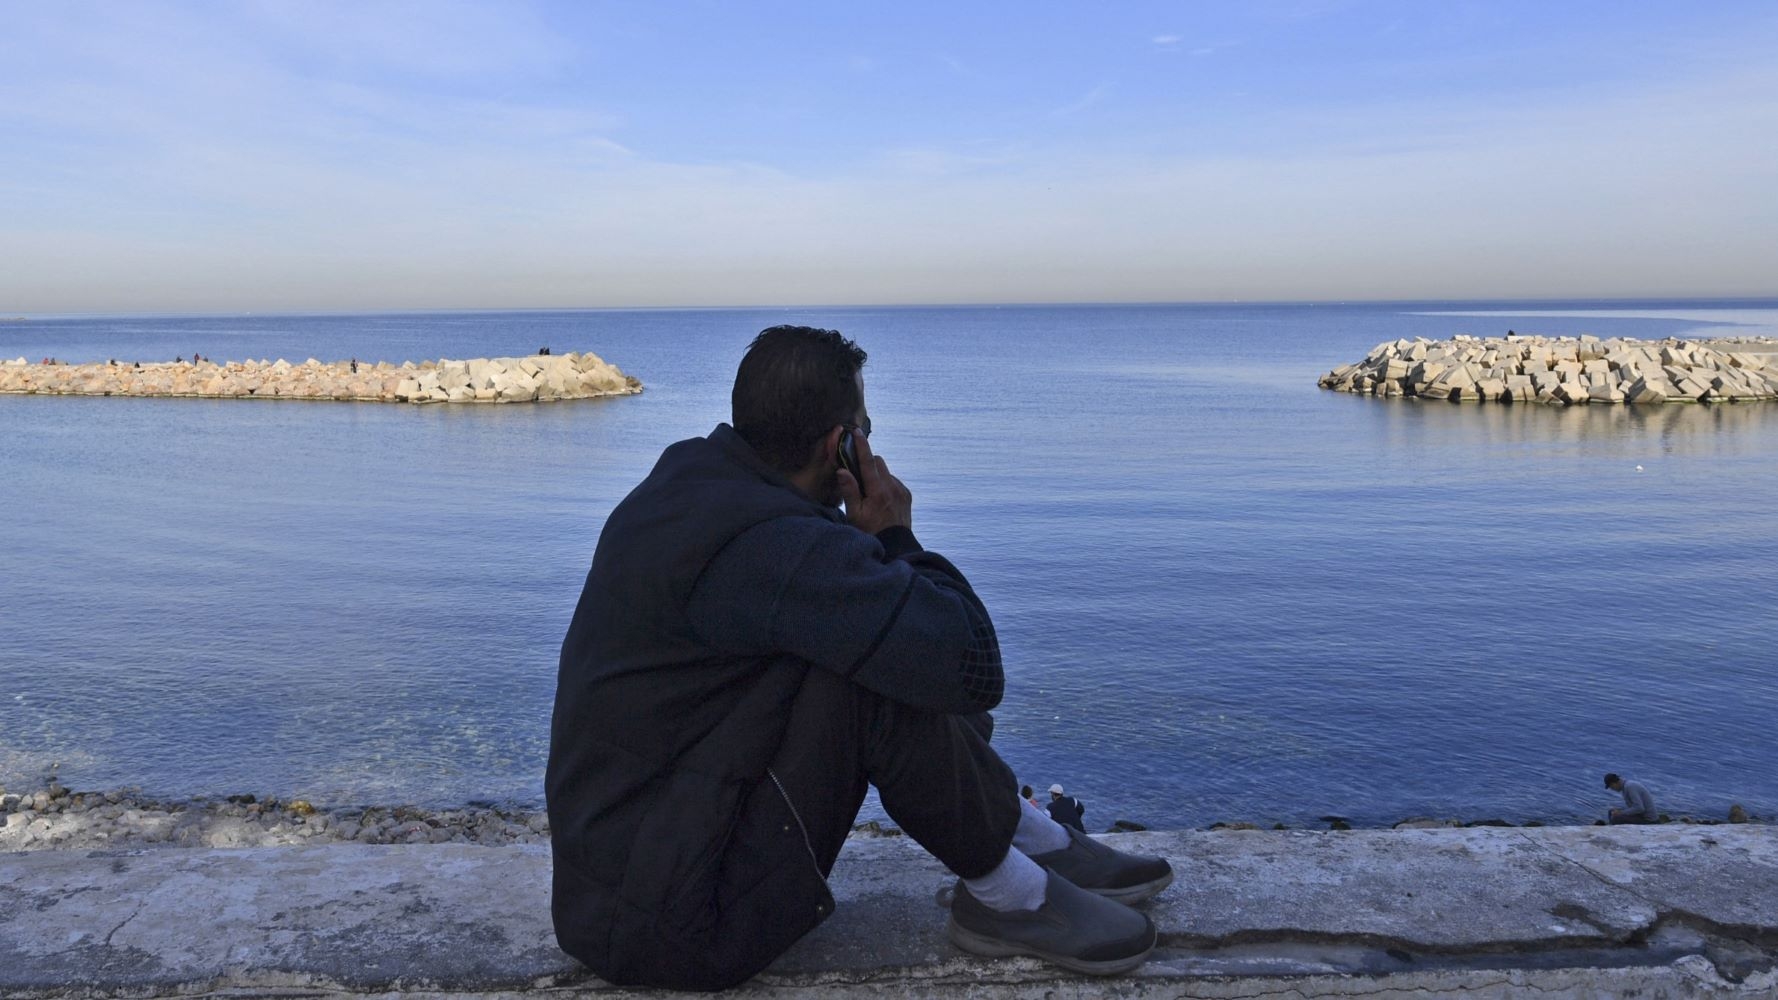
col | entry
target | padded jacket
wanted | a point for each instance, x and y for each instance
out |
(716, 585)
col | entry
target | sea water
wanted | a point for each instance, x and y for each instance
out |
(1221, 592)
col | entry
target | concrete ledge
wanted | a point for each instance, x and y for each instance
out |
(1576, 911)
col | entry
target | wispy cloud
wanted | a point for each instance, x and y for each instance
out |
(441, 38)
(935, 162)
(1085, 101)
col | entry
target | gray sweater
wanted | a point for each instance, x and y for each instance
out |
(1637, 801)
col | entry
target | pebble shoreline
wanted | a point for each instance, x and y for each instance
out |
(57, 818)
(1565, 370)
(538, 378)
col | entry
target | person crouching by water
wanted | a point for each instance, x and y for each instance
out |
(1639, 806)
(745, 660)
(1066, 809)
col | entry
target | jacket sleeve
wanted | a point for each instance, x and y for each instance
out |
(880, 611)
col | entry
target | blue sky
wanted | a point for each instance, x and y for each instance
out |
(221, 156)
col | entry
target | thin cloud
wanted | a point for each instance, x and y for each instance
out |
(1085, 101)
(952, 62)
(936, 162)
(442, 38)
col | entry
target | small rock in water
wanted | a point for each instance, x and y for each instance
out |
(1737, 813)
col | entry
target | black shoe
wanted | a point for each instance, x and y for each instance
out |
(1073, 928)
(1127, 878)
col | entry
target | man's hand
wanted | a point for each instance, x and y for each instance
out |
(886, 502)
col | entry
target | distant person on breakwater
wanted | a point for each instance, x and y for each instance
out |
(1029, 794)
(1639, 806)
(745, 661)
(1066, 809)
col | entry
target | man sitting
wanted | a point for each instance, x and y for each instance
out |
(745, 660)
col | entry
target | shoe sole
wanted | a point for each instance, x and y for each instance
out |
(979, 944)
(1130, 895)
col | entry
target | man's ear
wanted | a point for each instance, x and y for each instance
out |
(826, 452)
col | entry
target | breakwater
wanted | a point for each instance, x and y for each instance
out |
(536, 378)
(1565, 370)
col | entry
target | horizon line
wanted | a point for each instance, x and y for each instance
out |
(1645, 300)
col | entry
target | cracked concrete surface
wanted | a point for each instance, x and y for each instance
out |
(1675, 911)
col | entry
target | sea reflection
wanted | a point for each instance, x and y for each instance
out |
(1681, 429)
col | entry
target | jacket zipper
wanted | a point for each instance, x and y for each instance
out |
(807, 844)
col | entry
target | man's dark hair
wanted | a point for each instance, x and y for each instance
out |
(795, 383)
(1610, 779)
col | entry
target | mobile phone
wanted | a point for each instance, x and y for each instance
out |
(849, 459)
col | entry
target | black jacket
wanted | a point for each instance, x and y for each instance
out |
(1069, 811)
(715, 587)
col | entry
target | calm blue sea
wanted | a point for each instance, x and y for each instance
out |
(1222, 593)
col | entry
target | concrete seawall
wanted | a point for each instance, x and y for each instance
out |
(1665, 911)
(1565, 370)
(537, 378)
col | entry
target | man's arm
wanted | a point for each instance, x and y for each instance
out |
(878, 610)
(1638, 802)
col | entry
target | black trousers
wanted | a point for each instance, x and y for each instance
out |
(717, 884)
(936, 775)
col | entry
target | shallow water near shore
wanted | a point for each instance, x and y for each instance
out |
(1222, 592)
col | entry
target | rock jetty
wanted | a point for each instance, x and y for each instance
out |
(537, 378)
(1565, 370)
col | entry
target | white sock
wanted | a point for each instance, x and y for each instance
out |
(1017, 883)
(1037, 833)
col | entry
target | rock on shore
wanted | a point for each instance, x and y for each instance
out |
(538, 378)
(54, 817)
(1565, 370)
(58, 819)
